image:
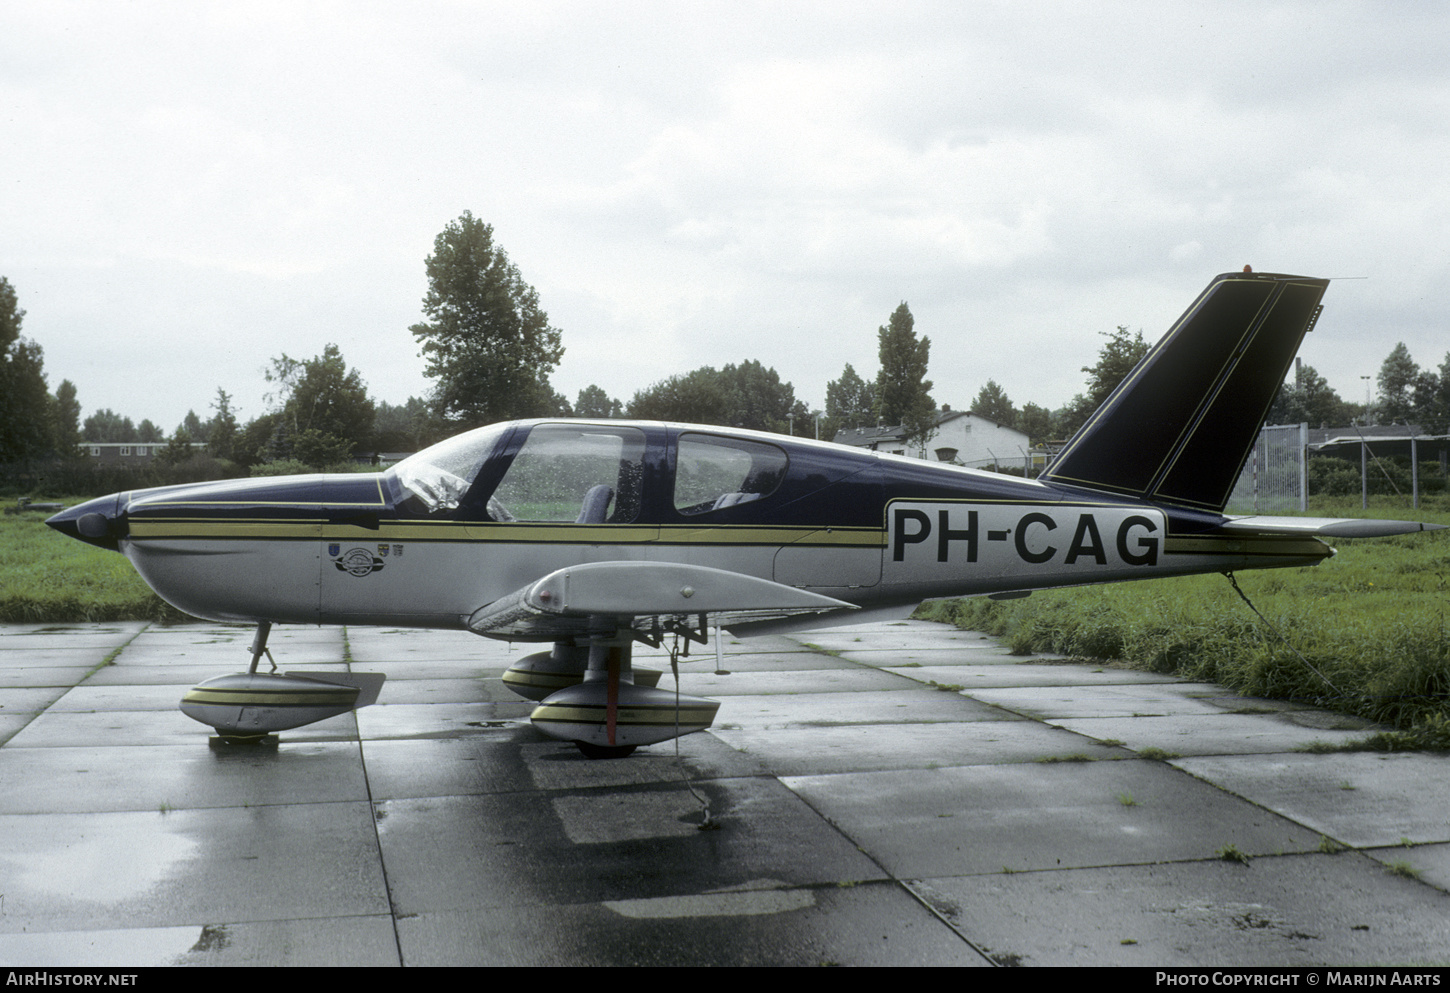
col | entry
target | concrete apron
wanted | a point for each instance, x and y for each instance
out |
(891, 794)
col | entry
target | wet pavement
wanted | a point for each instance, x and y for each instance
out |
(890, 794)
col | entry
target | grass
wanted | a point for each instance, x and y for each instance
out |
(1371, 623)
(1231, 853)
(1403, 869)
(47, 578)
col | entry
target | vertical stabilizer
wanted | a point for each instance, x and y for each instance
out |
(1179, 428)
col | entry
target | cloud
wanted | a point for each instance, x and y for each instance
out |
(708, 183)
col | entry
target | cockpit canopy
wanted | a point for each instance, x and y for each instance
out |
(585, 473)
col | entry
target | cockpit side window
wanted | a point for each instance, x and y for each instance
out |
(713, 472)
(571, 473)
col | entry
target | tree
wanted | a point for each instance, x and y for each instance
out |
(747, 395)
(67, 420)
(1397, 380)
(594, 402)
(757, 398)
(221, 430)
(323, 396)
(107, 425)
(700, 397)
(1310, 400)
(1116, 359)
(178, 449)
(406, 428)
(25, 403)
(486, 340)
(992, 402)
(151, 434)
(1036, 422)
(903, 393)
(1435, 411)
(850, 403)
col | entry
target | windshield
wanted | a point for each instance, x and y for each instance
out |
(440, 475)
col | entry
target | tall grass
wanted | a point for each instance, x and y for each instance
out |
(46, 577)
(1370, 625)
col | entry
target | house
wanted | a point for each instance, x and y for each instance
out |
(960, 437)
(128, 454)
(123, 453)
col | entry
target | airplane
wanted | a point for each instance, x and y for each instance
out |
(595, 535)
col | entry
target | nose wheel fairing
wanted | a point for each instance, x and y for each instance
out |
(251, 705)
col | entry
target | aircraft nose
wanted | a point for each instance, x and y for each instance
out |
(98, 522)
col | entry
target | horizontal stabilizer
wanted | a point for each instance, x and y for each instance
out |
(562, 600)
(1324, 527)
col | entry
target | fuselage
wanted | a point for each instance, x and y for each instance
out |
(454, 528)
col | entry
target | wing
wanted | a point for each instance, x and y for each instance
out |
(562, 603)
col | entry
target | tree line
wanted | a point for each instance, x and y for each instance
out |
(489, 347)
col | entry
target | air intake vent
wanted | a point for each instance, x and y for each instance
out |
(1314, 318)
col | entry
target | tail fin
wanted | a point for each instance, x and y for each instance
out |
(1179, 428)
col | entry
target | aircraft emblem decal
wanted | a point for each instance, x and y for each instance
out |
(359, 562)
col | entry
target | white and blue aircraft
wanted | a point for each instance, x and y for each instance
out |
(595, 535)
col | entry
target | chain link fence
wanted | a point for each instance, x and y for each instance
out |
(1273, 480)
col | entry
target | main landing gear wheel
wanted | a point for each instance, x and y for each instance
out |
(608, 715)
(593, 751)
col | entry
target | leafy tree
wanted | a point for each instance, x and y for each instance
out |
(67, 420)
(406, 428)
(800, 421)
(486, 340)
(1311, 400)
(1036, 422)
(1116, 359)
(324, 396)
(1434, 401)
(151, 434)
(221, 430)
(1397, 379)
(254, 440)
(747, 395)
(594, 402)
(320, 450)
(699, 397)
(758, 399)
(178, 449)
(992, 402)
(107, 425)
(903, 393)
(25, 403)
(850, 403)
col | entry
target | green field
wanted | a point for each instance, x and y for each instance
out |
(1362, 633)
(46, 577)
(1370, 623)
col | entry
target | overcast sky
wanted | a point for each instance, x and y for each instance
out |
(188, 190)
